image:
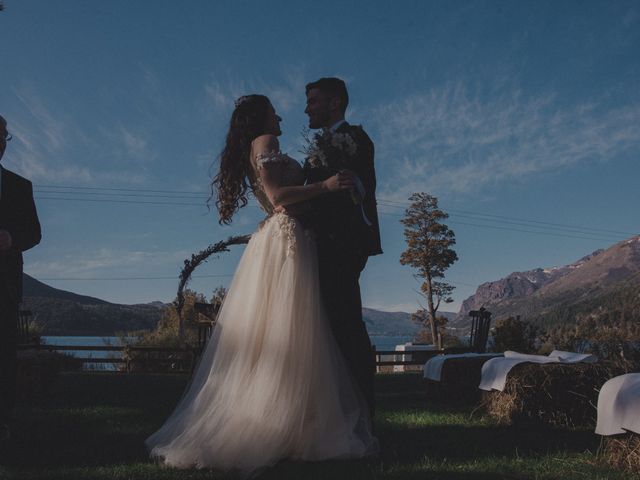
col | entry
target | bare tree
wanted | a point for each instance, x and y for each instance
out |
(429, 250)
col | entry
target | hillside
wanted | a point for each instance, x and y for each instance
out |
(60, 312)
(557, 294)
(35, 288)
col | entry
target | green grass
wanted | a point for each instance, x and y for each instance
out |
(92, 427)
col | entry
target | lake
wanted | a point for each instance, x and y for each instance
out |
(382, 342)
(91, 342)
(389, 342)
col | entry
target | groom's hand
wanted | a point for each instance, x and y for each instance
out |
(348, 174)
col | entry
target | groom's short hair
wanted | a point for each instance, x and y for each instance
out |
(333, 87)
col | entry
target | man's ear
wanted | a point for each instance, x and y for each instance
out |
(334, 103)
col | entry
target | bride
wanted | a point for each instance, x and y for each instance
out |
(271, 383)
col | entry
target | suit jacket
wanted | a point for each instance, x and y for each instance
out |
(19, 217)
(338, 222)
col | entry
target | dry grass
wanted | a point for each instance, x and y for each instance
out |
(563, 395)
(622, 451)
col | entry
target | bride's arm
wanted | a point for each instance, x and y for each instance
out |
(271, 170)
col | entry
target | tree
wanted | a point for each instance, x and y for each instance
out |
(429, 250)
(515, 334)
(424, 336)
(217, 297)
(173, 329)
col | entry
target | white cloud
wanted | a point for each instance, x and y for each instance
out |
(50, 127)
(285, 94)
(47, 145)
(37, 151)
(128, 143)
(135, 144)
(220, 97)
(101, 262)
(450, 141)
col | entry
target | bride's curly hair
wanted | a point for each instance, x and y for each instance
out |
(248, 122)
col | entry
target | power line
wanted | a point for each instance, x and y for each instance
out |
(108, 194)
(393, 204)
(535, 232)
(494, 227)
(187, 192)
(593, 235)
(106, 200)
(175, 277)
(148, 196)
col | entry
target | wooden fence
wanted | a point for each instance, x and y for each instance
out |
(387, 360)
(155, 358)
(130, 358)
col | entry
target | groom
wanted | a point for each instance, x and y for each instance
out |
(346, 223)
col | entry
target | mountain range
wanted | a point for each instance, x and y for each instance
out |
(393, 323)
(544, 295)
(60, 312)
(552, 295)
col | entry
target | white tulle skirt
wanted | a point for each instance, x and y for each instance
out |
(271, 383)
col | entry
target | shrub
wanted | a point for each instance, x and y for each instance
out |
(514, 334)
(37, 371)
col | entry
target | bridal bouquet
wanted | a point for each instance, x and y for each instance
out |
(329, 145)
(332, 150)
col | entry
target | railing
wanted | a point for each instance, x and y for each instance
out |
(416, 357)
(173, 359)
(151, 358)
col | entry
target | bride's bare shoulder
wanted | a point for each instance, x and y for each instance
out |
(265, 143)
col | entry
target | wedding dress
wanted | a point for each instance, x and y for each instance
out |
(271, 383)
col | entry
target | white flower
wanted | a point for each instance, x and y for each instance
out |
(316, 151)
(344, 142)
(317, 157)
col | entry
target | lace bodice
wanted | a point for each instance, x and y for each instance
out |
(291, 174)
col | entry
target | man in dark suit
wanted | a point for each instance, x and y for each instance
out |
(345, 223)
(19, 231)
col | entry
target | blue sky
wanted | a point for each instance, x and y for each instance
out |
(523, 118)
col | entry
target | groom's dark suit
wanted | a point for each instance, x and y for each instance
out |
(345, 241)
(17, 216)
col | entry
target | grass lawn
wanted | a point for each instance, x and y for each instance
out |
(92, 427)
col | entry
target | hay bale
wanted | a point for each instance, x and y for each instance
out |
(463, 371)
(622, 451)
(459, 380)
(558, 394)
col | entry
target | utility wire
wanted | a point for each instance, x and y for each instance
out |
(466, 212)
(149, 196)
(105, 200)
(381, 201)
(109, 194)
(149, 202)
(535, 232)
(191, 192)
(175, 277)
